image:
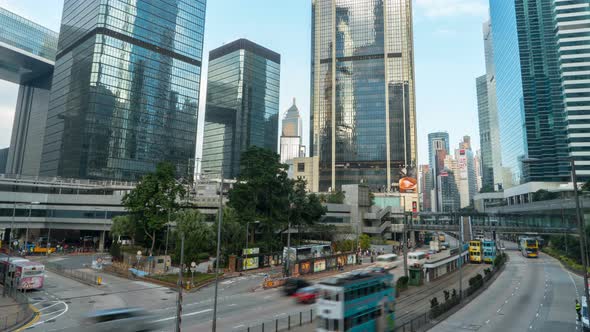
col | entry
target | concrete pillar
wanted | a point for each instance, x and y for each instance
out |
(413, 238)
(101, 241)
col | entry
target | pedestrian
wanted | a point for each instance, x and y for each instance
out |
(579, 310)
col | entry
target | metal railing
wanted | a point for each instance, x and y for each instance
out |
(85, 277)
(281, 323)
(415, 324)
(18, 313)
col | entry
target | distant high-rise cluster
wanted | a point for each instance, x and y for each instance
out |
(449, 182)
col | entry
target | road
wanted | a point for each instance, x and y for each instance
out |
(530, 295)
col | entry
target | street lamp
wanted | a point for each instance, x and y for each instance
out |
(28, 224)
(138, 256)
(579, 217)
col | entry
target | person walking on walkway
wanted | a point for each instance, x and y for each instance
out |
(579, 310)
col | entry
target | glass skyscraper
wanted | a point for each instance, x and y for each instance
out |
(125, 88)
(572, 23)
(242, 104)
(529, 94)
(363, 122)
(483, 115)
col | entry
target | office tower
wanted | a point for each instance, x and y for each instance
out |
(363, 117)
(425, 187)
(125, 89)
(572, 23)
(478, 170)
(438, 148)
(464, 172)
(291, 143)
(448, 193)
(529, 94)
(3, 159)
(27, 53)
(489, 132)
(242, 104)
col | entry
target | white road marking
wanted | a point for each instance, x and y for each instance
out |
(185, 315)
(487, 321)
(50, 306)
(237, 327)
(62, 313)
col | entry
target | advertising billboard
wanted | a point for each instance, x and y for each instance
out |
(408, 185)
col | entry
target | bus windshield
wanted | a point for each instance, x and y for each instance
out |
(417, 255)
(33, 273)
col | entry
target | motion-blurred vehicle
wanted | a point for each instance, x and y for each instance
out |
(292, 285)
(388, 261)
(306, 295)
(120, 320)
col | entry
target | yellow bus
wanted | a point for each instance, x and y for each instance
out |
(475, 251)
(529, 247)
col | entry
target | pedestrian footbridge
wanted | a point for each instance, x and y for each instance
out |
(500, 223)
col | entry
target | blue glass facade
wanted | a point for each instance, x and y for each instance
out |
(243, 86)
(125, 89)
(23, 34)
(363, 110)
(529, 95)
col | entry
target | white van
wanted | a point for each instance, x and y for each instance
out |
(388, 261)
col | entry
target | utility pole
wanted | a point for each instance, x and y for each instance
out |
(217, 260)
(49, 243)
(460, 261)
(581, 230)
(288, 259)
(180, 279)
(167, 231)
(405, 245)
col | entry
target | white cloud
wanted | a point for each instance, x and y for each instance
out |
(447, 8)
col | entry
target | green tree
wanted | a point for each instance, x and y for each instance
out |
(334, 197)
(262, 191)
(199, 238)
(365, 241)
(155, 197)
(124, 226)
(544, 195)
(586, 186)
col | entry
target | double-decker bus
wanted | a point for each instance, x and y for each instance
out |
(529, 247)
(489, 251)
(358, 301)
(27, 275)
(475, 251)
(416, 258)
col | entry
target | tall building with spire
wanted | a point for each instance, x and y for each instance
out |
(363, 114)
(291, 135)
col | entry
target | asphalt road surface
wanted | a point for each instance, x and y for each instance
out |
(532, 294)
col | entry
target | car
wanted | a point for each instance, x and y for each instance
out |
(306, 295)
(121, 320)
(377, 269)
(293, 284)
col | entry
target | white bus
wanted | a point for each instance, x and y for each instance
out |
(416, 258)
(387, 261)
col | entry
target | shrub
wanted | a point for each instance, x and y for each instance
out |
(402, 283)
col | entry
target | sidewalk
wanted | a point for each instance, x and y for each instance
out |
(12, 314)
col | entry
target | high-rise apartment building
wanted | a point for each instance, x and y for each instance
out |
(27, 53)
(529, 93)
(291, 135)
(572, 24)
(363, 121)
(125, 89)
(242, 104)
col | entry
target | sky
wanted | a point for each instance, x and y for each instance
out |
(448, 57)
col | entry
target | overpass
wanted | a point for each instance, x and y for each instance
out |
(540, 223)
(27, 58)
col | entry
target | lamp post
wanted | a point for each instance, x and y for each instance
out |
(28, 223)
(217, 259)
(193, 269)
(579, 217)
